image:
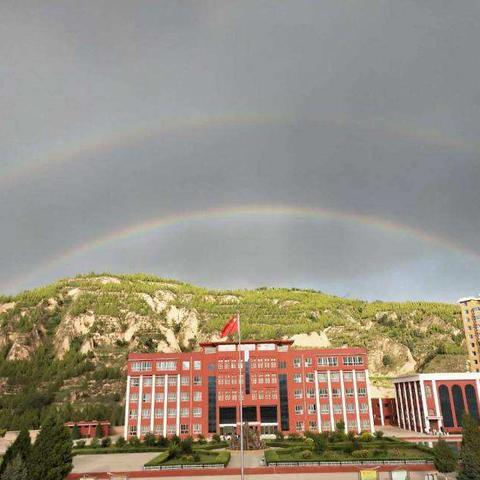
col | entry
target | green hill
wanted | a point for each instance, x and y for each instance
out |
(64, 346)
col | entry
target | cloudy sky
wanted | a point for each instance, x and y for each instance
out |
(332, 145)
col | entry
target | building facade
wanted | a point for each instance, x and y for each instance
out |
(197, 393)
(471, 323)
(384, 412)
(435, 402)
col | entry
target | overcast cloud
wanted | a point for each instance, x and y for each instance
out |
(369, 108)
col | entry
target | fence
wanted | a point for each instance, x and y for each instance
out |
(200, 466)
(349, 462)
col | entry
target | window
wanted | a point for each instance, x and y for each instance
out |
(348, 376)
(197, 396)
(323, 392)
(141, 366)
(327, 361)
(172, 396)
(363, 408)
(134, 397)
(311, 408)
(428, 391)
(146, 413)
(337, 408)
(310, 393)
(167, 365)
(144, 429)
(185, 365)
(132, 414)
(299, 426)
(282, 364)
(365, 425)
(183, 428)
(322, 377)
(171, 429)
(361, 376)
(335, 376)
(197, 380)
(147, 381)
(308, 362)
(159, 397)
(159, 381)
(135, 382)
(336, 393)
(197, 365)
(132, 430)
(172, 381)
(354, 360)
(298, 409)
(349, 392)
(172, 412)
(327, 425)
(312, 425)
(197, 428)
(184, 396)
(350, 408)
(146, 397)
(297, 362)
(158, 429)
(185, 380)
(159, 413)
(297, 378)
(351, 425)
(197, 412)
(324, 408)
(309, 378)
(362, 392)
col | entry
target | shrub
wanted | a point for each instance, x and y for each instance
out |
(186, 446)
(201, 439)
(121, 442)
(162, 441)
(360, 454)
(444, 458)
(196, 457)
(98, 431)
(95, 443)
(134, 442)
(320, 444)
(306, 454)
(106, 442)
(366, 437)
(149, 439)
(279, 435)
(75, 432)
(351, 435)
(309, 441)
(379, 434)
(348, 448)
(80, 444)
(216, 437)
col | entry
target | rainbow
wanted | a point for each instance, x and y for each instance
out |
(108, 141)
(228, 212)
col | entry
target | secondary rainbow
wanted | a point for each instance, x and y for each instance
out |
(314, 213)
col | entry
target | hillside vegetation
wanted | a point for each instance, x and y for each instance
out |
(64, 346)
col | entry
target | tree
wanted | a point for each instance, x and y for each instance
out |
(444, 457)
(320, 443)
(98, 431)
(470, 451)
(22, 447)
(51, 457)
(76, 432)
(15, 470)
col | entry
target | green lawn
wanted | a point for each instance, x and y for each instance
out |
(204, 458)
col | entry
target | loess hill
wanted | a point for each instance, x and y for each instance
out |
(64, 346)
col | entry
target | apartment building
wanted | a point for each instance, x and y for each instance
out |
(197, 393)
(471, 323)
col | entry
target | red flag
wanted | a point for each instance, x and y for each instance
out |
(230, 327)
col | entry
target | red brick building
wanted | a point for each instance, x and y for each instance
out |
(87, 429)
(283, 389)
(433, 402)
(384, 412)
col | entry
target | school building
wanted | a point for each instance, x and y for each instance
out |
(197, 393)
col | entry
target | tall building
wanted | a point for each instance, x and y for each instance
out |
(429, 402)
(282, 389)
(471, 324)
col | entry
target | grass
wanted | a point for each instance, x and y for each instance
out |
(222, 457)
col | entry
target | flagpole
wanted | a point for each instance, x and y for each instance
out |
(240, 396)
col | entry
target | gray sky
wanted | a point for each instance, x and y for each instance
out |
(119, 113)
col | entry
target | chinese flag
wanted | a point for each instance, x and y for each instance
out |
(230, 327)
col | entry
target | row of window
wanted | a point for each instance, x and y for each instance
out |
(336, 392)
(323, 377)
(171, 429)
(325, 408)
(160, 413)
(172, 381)
(165, 365)
(171, 397)
(328, 361)
(326, 425)
(266, 394)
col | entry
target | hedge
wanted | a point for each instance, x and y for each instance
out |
(112, 450)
